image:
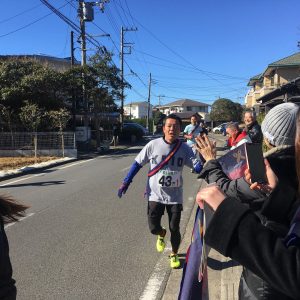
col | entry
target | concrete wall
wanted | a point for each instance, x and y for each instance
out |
(51, 152)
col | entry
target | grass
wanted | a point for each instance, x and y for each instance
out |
(8, 163)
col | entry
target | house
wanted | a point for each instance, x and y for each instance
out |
(137, 110)
(289, 92)
(185, 108)
(274, 76)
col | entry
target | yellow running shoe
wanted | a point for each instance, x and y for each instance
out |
(174, 261)
(160, 243)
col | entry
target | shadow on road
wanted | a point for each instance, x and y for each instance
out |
(42, 183)
(220, 265)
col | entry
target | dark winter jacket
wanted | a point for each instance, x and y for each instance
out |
(7, 283)
(282, 161)
(257, 247)
(254, 132)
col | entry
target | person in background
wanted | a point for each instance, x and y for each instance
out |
(279, 129)
(273, 256)
(167, 156)
(252, 128)
(204, 129)
(10, 211)
(116, 133)
(190, 132)
(236, 136)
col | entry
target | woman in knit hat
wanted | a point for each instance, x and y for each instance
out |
(273, 256)
(279, 130)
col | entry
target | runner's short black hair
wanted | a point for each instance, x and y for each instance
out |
(174, 117)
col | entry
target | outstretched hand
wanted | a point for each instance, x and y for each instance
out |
(122, 189)
(266, 188)
(206, 147)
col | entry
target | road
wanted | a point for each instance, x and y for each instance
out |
(79, 241)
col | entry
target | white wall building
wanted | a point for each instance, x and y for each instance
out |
(186, 106)
(137, 110)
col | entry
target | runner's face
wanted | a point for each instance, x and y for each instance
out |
(193, 121)
(171, 130)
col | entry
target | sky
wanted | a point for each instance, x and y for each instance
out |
(194, 49)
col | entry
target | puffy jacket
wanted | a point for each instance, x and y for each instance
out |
(258, 248)
(7, 283)
(282, 161)
(254, 132)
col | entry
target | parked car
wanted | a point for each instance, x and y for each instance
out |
(132, 132)
(220, 129)
(145, 130)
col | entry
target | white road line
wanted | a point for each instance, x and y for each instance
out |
(22, 179)
(157, 277)
(127, 168)
(42, 174)
(20, 220)
(76, 163)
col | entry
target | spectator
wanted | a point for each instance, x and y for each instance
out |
(167, 157)
(236, 136)
(252, 128)
(274, 213)
(204, 129)
(279, 139)
(190, 132)
(116, 133)
(10, 211)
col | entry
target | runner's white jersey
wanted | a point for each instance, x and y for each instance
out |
(166, 185)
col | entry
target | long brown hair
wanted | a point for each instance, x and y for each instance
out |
(297, 147)
(10, 209)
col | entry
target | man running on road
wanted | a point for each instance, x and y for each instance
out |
(166, 156)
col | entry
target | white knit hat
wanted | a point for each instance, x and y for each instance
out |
(279, 125)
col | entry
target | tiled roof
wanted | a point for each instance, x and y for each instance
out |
(186, 115)
(292, 60)
(185, 102)
(136, 103)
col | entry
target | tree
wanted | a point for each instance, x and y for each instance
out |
(59, 120)
(7, 117)
(31, 116)
(225, 110)
(24, 80)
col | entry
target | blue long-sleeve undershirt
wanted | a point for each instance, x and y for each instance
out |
(132, 172)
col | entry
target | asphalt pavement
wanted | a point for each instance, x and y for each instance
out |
(223, 273)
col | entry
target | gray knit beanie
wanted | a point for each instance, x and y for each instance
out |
(279, 125)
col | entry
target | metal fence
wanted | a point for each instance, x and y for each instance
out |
(45, 140)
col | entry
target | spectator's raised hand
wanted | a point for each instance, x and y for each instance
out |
(206, 147)
(212, 195)
(263, 187)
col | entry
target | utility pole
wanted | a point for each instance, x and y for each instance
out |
(123, 45)
(160, 96)
(73, 95)
(86, 14)
(72, 48)
(82, 30)
(148, 106)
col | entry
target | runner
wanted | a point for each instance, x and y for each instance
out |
(190, 132)
(167, 156)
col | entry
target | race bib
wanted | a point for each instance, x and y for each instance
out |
(167, 178)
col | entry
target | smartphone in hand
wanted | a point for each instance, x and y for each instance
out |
(255, 161)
